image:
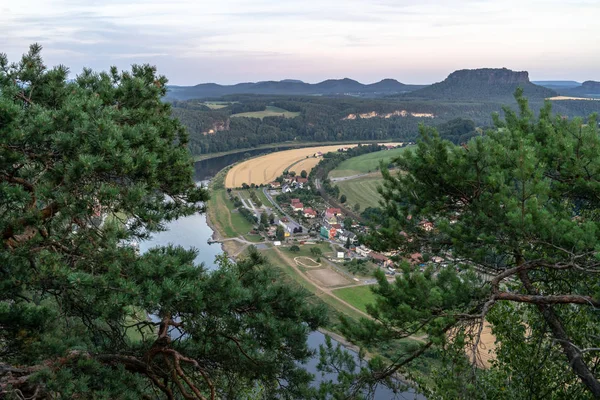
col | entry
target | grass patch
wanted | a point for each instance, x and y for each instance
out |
(365, 163)
(358, 296)
(254, 238)
(216, 105)
(220, 212)
(305, 250)
(261, 196)
(270, 111)
(362, 191)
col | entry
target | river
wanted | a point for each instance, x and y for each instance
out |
(193, 231)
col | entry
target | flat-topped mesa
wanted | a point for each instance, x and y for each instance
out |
(490, 76)
(487, 84)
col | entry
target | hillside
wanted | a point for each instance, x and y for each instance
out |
(490, 84)
(587, 89)
(290, 86)
(557, 85)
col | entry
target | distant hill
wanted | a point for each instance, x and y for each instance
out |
(487, 84)
(290, 87)
(587, 89)
(557, 85)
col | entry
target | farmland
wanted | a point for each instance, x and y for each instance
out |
(307, 164)
(216, 105)
(362, 191)
(366, 163)
(270, 111)
(266, 168)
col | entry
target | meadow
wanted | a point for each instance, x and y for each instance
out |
(265, 169)
(216, 105)
(358, 296)
(362, 191)
(270, 111)
(365, 163)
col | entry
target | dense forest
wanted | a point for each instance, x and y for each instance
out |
(325, 119)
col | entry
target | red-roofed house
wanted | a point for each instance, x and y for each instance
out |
(416, 258)
(301, 180)
(298, 206)
(294, 201)
(331, 215)
(310, 213)
(379, 258)
(275, 184)
(426, 225)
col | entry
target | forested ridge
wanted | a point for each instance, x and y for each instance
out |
(324, 119)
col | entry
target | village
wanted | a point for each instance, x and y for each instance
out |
(295, 214)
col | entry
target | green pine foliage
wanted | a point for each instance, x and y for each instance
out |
(82, 315)
(515, 218)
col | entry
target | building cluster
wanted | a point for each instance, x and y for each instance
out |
(290, 184)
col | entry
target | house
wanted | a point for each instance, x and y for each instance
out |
(362, 250)
(415, 258)
(301, 180)
(335, 212)
(426, 225)
(324, 232)
(379, 259)
(344, 235)
(309, 213)
(297, 206)
(294, 201)
(328, 232)
(275, 185)
(331, 215)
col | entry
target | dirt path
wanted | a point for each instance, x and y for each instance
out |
(299, 261)
(350, 177)
(324, 290)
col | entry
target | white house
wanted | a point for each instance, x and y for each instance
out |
(344, 235)
(362, 250)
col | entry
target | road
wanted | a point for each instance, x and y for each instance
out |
(292, 220)
(347, 178)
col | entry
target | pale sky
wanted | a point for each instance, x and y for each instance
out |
(230, 41)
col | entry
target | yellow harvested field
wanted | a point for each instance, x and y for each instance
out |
(555, 98)
(265, 169)
(306, 164)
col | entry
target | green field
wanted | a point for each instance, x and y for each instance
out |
(220, 211)
(358, 296)
(362, 191)
(305, 250)
(215, 105)
(366, 163)
(270, 111)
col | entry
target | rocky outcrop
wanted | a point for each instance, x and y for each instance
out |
(398, 113)
(486, 84)
(491, 76)
(217, 127)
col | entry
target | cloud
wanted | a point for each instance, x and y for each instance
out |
(241, 40)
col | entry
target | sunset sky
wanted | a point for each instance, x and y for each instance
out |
(230, 41)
